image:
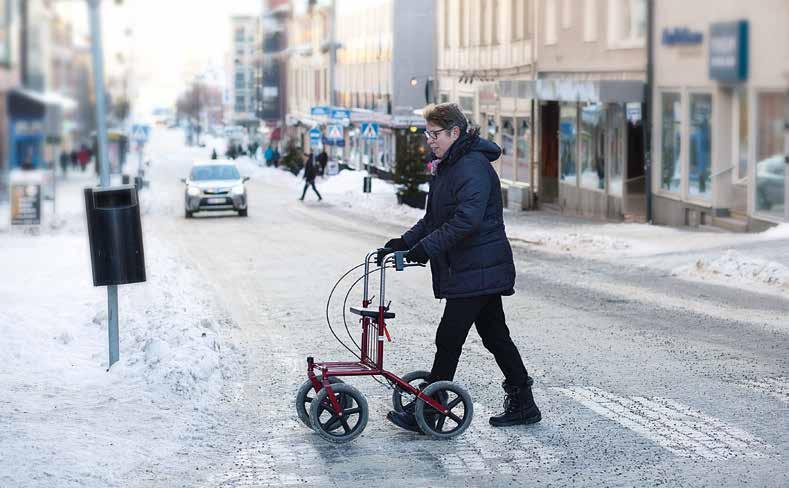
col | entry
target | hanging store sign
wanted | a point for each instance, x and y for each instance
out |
(729, 51)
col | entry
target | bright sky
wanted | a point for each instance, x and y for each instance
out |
(170, 40)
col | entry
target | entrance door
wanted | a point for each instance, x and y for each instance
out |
(635, 188)
(549, 152)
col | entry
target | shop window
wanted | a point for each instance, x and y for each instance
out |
(616, 152)
(700, 170)
(491, 129)
(770, 165)
(742, 133)
(567, 141)
(507, 148)
(670, 141)
(523, 147)
(593, 146)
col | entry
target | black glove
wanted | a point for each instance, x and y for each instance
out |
(392, 245)
(417, 254)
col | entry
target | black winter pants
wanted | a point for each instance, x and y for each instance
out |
(488, 315)
(307, 184)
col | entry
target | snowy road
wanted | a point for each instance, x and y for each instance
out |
(643, 378)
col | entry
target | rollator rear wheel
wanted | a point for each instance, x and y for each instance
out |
(457, 401)
(401, 398)
(304, 399)
(342, 426)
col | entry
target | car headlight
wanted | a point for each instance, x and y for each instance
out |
(238, 190)
(193, 191)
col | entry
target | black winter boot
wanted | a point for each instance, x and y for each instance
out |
(519, 406)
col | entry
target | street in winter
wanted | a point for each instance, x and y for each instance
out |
(260, 271)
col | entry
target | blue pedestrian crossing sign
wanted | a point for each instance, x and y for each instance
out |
(315, 137)
(334, 132)
(369, 131)
(140, 133)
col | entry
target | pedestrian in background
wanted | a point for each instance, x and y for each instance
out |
(323, 159)
(275, 157)
(269, 155)
(310, 172)
(64, 162)
(462, 236)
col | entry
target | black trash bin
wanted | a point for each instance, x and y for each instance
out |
(367, 186)
(115, 235)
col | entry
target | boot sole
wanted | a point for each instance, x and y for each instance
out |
(391, 418)
(530, 420)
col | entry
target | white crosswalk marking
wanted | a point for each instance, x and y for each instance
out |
(670, 424)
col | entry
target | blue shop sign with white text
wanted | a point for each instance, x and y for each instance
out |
(729, 51)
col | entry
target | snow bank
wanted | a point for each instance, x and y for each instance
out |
(61, 410)
(733, 265)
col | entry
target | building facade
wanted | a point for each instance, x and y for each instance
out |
(241, 70)
(720, 117)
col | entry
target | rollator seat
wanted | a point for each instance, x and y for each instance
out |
(370, 312)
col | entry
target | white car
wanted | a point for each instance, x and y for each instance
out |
(215, 185)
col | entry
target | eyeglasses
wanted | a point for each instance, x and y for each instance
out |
(433, 134)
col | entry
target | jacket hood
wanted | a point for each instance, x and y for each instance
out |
(471, 142)
(489, 149)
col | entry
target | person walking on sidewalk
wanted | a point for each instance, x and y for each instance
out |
(462, 236)
(310, 172)
(323, 160)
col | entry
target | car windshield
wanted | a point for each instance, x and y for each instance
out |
(214, 172)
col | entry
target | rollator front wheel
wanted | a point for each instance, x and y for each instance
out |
(402, 399)
(306, 395)
(339, 426)
(460, 410)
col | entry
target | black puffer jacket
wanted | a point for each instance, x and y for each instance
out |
(463, 228)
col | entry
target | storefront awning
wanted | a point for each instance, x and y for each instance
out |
(602, 91)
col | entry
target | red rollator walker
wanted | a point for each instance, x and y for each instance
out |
(338, 412)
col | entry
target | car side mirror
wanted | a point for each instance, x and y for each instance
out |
(245, 179)
(183, 180)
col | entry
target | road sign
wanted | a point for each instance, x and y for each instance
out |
(340, 113)
(369, 131)
(319, 110)
(315, 137)
(140, 133)
(334, 132)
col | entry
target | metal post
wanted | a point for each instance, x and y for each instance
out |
(104, 164)
(646, 112)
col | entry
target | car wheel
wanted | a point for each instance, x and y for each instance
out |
(188, 214)
(242, 213)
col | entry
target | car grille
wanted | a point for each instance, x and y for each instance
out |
(216, 191)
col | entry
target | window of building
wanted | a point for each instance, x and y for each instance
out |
(447, 23)
(550, 22)
(590, 20)
(466, 104)
(506, 87)
(617, 134)
(567, 14)
(518, 18)
(494, 23)
(443, 98)
(507, 148)
(670, 141)
(490, 127)
(742, 133)
(770, 165)
(523, 147)
(592, 142)
(239, 81)
(627, 23)
(239, 34)
(700, 146)
(568, 114)
(239, 103)
(482, 35)
(462, 23)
